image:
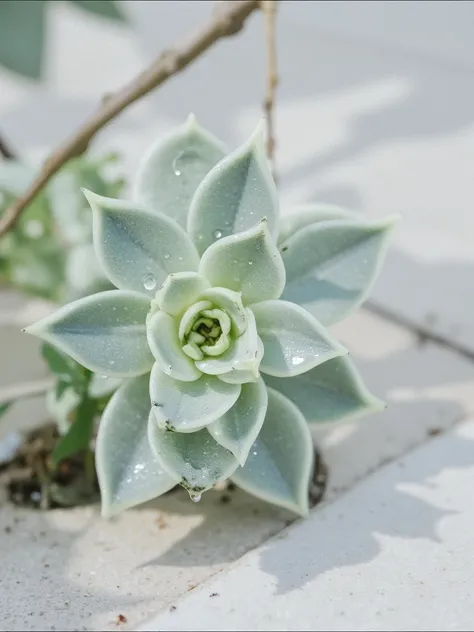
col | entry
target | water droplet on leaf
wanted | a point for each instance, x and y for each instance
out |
(149, 282)
(185, 159)
(217, 234)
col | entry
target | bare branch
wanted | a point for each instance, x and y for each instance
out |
(5, 150)
(269, 9)
(226, 21)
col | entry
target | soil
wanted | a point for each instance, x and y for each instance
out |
(32, 480)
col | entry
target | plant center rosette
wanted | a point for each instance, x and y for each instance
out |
(218, 326)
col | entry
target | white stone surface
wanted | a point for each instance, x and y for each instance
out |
(395, 553)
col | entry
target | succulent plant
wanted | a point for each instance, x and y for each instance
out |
(217, 325)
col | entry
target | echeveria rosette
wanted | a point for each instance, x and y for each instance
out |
(215, 325)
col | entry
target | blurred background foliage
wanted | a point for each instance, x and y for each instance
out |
(23, 30)
(49, 252)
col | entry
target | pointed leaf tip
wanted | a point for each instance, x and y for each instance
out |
(128, 471)
(138, 249)
(332, 392)
(235, 195)
(294, 341)
(191, 122)
(239, 427)
(105, 332)
(279, 465)
(174, 166)
(332, 265)
(194, 459)
(248, 262)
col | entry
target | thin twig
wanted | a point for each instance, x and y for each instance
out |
(269, 9)
(5, 150)
(227, 20)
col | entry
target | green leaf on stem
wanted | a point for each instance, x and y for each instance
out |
(79, 435)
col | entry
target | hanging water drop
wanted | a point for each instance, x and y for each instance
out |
(195, 497)
(149, 282)
(217, 234)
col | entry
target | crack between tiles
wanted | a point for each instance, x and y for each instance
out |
(424, 334)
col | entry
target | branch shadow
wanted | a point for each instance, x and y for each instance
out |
(393, 512)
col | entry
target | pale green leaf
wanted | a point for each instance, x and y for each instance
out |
(306, 214)
(332, 265)
(128, 471)
(105, 332)
(189, 406)
(104, 8)
(243, 354)
(248, 262)
(238, 375)
(22, 34)
(237, 193)
(294, 341)
(280, 462)
(136, 248)
(179, 291)
(101, 385)
(162, 334)
(332, 392)
(231, 303)
(171, 171)
(195, 459)
(238, 428)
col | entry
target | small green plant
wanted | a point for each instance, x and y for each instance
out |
(217, 327)
(49, 254)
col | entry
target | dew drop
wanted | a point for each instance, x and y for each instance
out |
(250, 263)
(185, 159)
(217, 234)
(149, 282)
(195, 497)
